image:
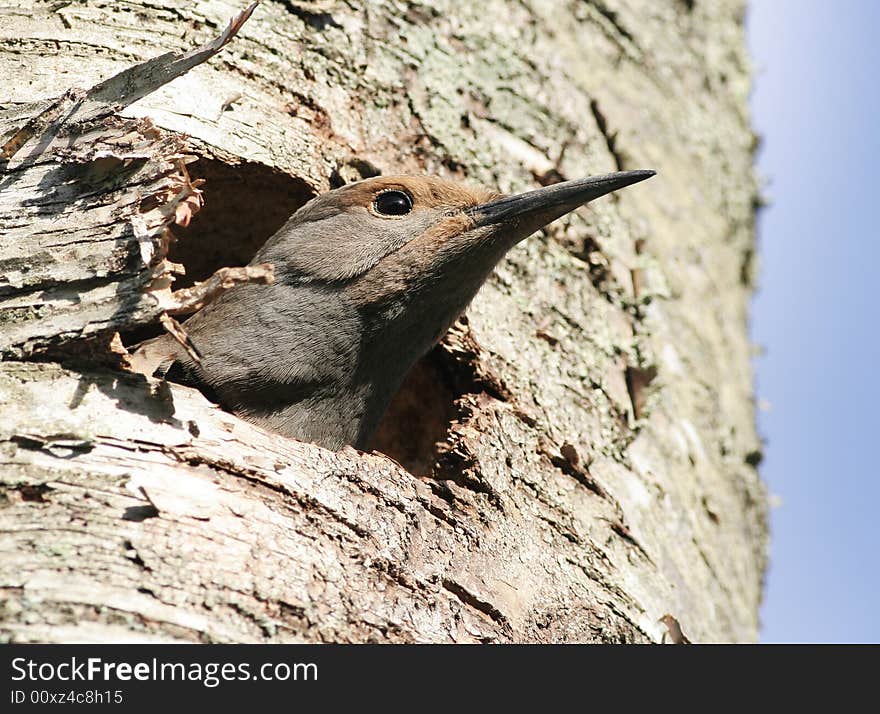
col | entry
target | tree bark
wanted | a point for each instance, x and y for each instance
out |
(575, 462)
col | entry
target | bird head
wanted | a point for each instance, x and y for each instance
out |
(388, 237)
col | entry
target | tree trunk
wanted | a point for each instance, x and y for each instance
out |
(575, 462)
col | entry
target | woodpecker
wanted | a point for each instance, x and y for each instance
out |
(368, 277)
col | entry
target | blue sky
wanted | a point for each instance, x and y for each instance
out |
(816, 102)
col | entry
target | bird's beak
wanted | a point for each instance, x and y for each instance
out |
(524, 213)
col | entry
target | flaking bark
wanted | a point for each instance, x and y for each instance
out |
(595, 475)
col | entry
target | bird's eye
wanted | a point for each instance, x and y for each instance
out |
(393, 203)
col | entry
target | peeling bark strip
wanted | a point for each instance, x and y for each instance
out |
(595, 477)
(81, 190)
(78, 107)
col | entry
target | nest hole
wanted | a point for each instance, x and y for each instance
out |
(247, 203)
(418, 419)
(244, 205)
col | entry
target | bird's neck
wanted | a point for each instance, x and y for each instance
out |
(397, 334)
